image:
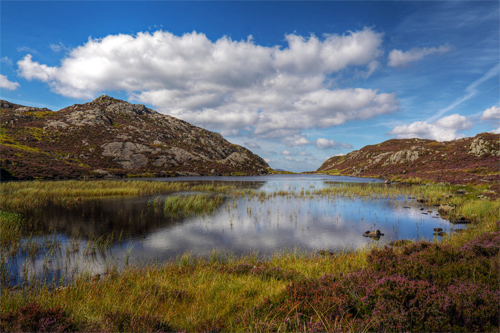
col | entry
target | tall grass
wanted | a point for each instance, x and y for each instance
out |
(189, 293)
(18, 196)
(187, 204)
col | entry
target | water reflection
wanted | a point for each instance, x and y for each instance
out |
(128, 231)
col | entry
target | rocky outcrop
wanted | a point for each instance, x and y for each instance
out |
(466, 160)
(109, 137)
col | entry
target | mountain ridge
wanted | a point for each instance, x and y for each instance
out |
(109, 137)
(466, 160)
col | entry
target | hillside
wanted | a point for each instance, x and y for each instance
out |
(109, 137)
(467, 160)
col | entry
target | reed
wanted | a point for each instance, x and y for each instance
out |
(11, 226)
(187, 204)
(19, 196)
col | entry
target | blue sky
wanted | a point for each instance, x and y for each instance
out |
(295, 82)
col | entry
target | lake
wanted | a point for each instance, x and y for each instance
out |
(125, 230)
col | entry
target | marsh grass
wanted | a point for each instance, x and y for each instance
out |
(19, 196)
(11, 227)
(288, 291)
(189, 293)
(187, 204)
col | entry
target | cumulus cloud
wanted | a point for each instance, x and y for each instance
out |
(322, 143)
(443, 129)
(398, 58)
(296, 140)
(493, 113)
(286, 152)
(226, 85)
(6, 84)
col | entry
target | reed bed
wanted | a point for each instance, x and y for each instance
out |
(19, 196)
(187, 204)
(189, 293)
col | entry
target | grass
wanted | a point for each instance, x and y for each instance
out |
(188, 293)
(21, 196)
(447, 286)
(197, 204)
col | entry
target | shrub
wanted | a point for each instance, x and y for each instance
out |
(423, 287)
(125, 321)
(34, 318)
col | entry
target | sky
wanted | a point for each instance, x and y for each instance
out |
(295, 82)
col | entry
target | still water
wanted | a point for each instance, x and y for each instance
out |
(239, 226)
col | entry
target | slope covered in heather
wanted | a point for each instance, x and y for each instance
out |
(110, 137)
(467, 160)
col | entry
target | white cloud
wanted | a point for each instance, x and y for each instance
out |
(398, 58)
(470, 91)
(296, 140)
(6, 84)
(58, 47)
(252, 145)
(6, 60)
(286, 152)
(322, 143)
(226, 85)
(26, 49)
(33, 70)
(443, 129)
(492, 113)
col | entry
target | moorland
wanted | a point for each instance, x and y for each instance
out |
(446, 283)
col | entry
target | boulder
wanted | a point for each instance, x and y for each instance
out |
(373, 234)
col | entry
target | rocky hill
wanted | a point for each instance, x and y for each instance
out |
(109, 137)
(468, 160)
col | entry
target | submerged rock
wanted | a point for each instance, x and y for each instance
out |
(373, 234)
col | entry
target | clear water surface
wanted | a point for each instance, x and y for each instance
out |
(239, 226)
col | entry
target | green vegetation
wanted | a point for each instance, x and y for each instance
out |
(19, 196)
(279, 172)
(446, 286)
(11, 226)
(187, 204)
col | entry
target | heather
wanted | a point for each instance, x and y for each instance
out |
(108, 137)
(448, 284)
(451, 286)
(424, 287)
(471, 160)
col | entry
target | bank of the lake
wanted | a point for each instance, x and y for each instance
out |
(450, 284)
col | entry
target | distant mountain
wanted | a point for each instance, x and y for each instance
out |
(461, 161)
(111, 137)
